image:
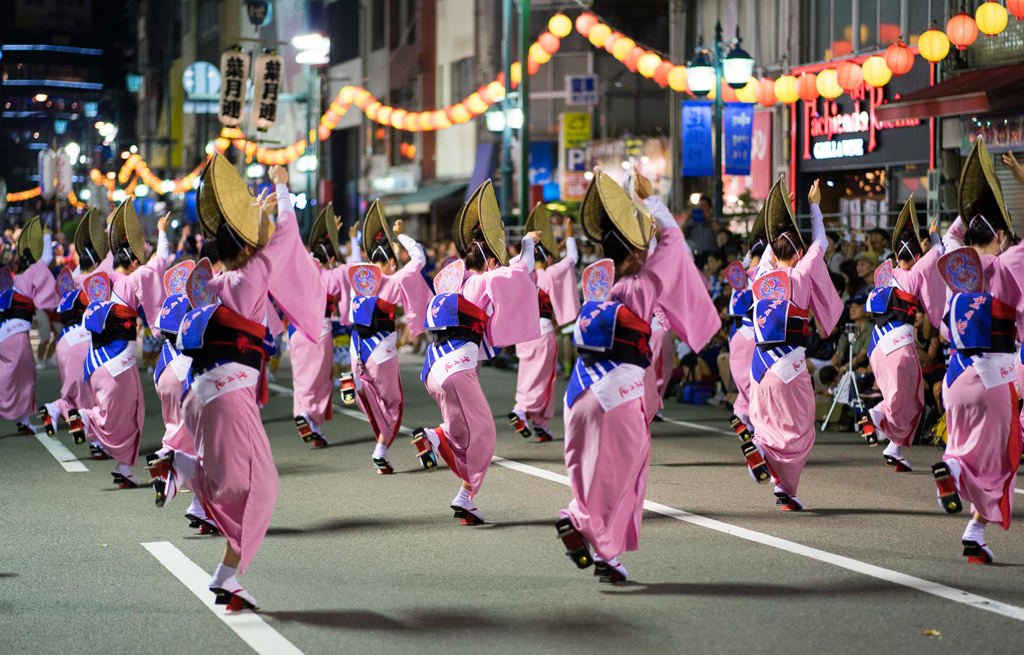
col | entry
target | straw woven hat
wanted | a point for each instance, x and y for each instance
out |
(979, 191)
(325, 224)
(124, 222)
(374, 223)
(457, 232)
(758, 230)
(482, 209)
(91, 231)
(538, 220)
(908, 213)
(225, 197)
(31, 239)
(605, 197)
(779, 212)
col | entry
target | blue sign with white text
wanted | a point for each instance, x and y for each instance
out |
(738, 132)
(697, 155)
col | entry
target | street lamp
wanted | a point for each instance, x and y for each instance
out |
(705, 72)
(314, 50)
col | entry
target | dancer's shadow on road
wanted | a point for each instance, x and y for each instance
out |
(745, 589)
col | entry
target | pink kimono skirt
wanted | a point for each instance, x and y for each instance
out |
(312, 365)
(75, 392)
(741, 354)
(607, 458)
(18, 380)
(469, 429)
(535, 384)
(381, 397)
(657, 375)
(117, 418)
(898, 376)
(784, 417)
(236, 481)
(176, 433)
(985, 438)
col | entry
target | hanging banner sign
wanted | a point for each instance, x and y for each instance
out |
(47, 171)
(268, 84)
(62, 174)
(234, 71)
(738, 128)
(761, 155)
(697, 153)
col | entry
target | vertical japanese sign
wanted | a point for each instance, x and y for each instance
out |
(47, 171)
(572, 149)
(738, 127)
(234, 71)
(268, 84)
(761, 155)
(697, 156)
(62, 174)
(260, 12)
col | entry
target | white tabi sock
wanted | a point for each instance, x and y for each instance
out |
(520, 413)
(462, 499)
(123, 469)
(892, 450)
(380, 451)
(222, 575)
(975, 531)
(196, 509)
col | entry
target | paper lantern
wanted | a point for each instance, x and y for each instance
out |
(598, 33)
(609, 41)
(440, 120)
(661, 73)
(538, 54)
(828, 85)
(933, 45)
(496, 90)
(323, 132)
(647, 64)
(485, 94)
(363, 98)
(458, 114)
(549, 42)
(584, 22)
(633, 58)
(426, 122)
(411, 122)
(876, 72)
(785, 89)
(475, 104)
(807, 87)
(765, 92)
(849, 76)
(748, 93)
(384, 115)
(398, 118)
(1016, 7)
(517, 74)
(372, 109)
(532, 66)
(728, 93)
(622, 47)
(346, 95)
(991, 18)
(677, 78)
(962, 30)
(899, 58)
(560, 25)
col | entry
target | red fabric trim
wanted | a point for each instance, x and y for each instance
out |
(122, 311)
(471, 310)
(234, 321)
(19, 301)
(1013, 451)
(629, 320)
(1002, 310)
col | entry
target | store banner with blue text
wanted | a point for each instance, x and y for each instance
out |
(738, 124)
(697, 156)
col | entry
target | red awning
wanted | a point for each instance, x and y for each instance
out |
(976, 92)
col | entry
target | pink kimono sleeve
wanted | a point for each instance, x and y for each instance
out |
(824, 301)
(415, 295)
(293, 278)
(41, 285)
(336, 283)
(932, 292)
(147, 285)
(516, 317)
(274, 323)
(559, 281)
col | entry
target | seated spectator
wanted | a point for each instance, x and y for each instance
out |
(699, 230)
(854, 285)
(834, 256)
(878, 240)
(713, 268)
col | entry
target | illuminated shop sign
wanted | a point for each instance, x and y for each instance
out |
(836, 149)
(833, 120)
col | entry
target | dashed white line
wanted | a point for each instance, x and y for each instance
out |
(64, 457)
(698, 426)
(248, 625)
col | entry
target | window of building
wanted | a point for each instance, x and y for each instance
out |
(209, 20)
(343, 26)
(829, 25)
(461, 79)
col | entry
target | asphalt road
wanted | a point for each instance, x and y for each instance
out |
(361, 563)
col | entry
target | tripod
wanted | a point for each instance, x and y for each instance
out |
(849, 378)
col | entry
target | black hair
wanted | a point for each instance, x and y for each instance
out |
(209, 250)
(721, 302)
(123, 255)
(833, 236)
(828, 374)
(784, 245)
(612, 242)
(706, 199)
(476, 260)
(382, 251)
(908, 240)
(878, 232)
(24, 261)
(718, 254)
(838, 281)
(542, 252)
(90, 252)
(757, 248)
(981, 230)
(229, 245)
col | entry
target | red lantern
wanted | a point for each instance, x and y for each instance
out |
(899, 58)
(807, 87)
(849, 75)
(962, 30)
(765, 92)
(485, 94)
(609, 42)
(728, 93)
(584, 22)
(323, 132)
(661, 73)
(633, 58)
(532, 66)
(1016, 7)
(549, 42)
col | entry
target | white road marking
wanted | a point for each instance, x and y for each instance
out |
(60, 452)
(248, 625)
(850, 564)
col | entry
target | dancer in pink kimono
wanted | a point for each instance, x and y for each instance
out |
(984, 443)
(481, 305)
(559, 304)
(741, 340)
(377, 379)
(115, 422)
(233, 472)
(607, 440)
(74, 340)
(781, 395)
(28, 288)
(900, 294)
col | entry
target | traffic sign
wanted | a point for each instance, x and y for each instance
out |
(581, 89)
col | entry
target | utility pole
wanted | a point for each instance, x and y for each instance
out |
(719, 110)
(524, 103)
(675, 51)
(505, 200)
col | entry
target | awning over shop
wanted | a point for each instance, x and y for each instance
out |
(976, 92)
(420, 201)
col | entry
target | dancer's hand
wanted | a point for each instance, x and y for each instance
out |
(934, 227)
(164, 222)
(815, 195)
(278, 175)
(268, 205)
(535, 236)
(1015, 166)
(353, 231)
(569, 229)
(399, 227)
(643, 187)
